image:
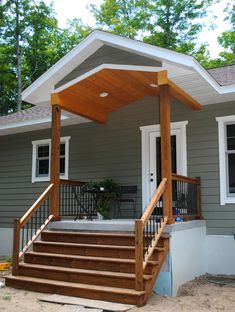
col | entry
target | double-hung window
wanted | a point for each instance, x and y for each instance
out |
(227, 158)
(41, 159)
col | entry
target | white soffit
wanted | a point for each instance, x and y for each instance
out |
(42, 88)
(173, 72)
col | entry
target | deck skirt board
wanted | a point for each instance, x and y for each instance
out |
(75, 262)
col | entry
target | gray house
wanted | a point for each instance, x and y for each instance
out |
(107, 93)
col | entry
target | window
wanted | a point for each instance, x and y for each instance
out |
(41, 159)
(227, 158)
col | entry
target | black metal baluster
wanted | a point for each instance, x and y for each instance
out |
(22, 239)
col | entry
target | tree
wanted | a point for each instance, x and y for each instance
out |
(227, 38)
(123, 17)
(20, 30)
(74, 32)
(172, 24)
(30, 43)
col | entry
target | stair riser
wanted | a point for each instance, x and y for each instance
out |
(85, 251)
(92, 239)
(85, 264)
(76, 292)
(81, 278)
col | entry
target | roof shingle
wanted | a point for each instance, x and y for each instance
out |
(224, 75)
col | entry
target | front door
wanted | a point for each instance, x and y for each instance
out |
(151, 156)
(155, 158)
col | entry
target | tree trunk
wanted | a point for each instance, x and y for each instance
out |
(18, 58)
(168, 34)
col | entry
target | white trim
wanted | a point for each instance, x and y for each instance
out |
(224, 197)
(146, 132)
(107, 66)
(48, 141)
(97, 39)
(29, 122)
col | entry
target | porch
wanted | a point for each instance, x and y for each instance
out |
(175, 197)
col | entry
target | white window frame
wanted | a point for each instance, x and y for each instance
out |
(34, 156)
(225, 198)
(145, 146)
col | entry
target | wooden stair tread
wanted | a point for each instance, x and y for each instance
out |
(88, 287)
(83, 271)
(66, 244)
(88, 258)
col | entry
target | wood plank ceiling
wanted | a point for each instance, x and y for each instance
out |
(110, 89)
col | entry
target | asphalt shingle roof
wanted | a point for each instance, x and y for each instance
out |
(225, 75)
(27, 114)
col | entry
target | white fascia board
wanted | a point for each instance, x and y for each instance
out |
(97, 39)
(31, 122)
(107, 66)
(66, 64)
(164, 54)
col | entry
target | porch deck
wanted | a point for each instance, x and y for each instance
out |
(114, 225)
(117, 225)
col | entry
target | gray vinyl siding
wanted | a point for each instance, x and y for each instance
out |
(108, 55)
(17, 193)
(114, 150)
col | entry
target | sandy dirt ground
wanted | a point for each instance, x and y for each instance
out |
(197, 295)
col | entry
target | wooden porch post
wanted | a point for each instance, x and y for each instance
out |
(165, 128)
(55, 161)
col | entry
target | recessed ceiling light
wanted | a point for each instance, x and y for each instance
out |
(104, 94)
(153, 85)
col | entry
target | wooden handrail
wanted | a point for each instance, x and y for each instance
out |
(154, 242)
(71, 182)
(20, 223)
(36, 205)
(152, 204)
(178, 177)
(39, 231)
(141, 260)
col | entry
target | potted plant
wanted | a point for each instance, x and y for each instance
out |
(106, 191)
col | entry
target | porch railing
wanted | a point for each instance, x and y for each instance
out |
(76, 200)
(186, 197)
(148, 230)
(30, 226)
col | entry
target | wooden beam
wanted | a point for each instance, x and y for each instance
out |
(165, 129)
(69, 102)
(162, 78)
(183, 96)
(55, 161)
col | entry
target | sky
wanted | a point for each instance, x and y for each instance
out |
(68, 9)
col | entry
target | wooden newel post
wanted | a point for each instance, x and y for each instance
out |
(165, 128)
(139, 255)
(55, 161)
(16, 247)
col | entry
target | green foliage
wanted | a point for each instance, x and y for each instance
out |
(108, 191)
(227, 39)
(7, 297)
(171, 24)
(8, 258)
(42, 43)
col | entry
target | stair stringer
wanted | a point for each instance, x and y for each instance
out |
(150, 284)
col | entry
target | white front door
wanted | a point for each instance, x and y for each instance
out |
(151, 156)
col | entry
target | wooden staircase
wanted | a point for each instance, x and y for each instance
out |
(91, 265)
